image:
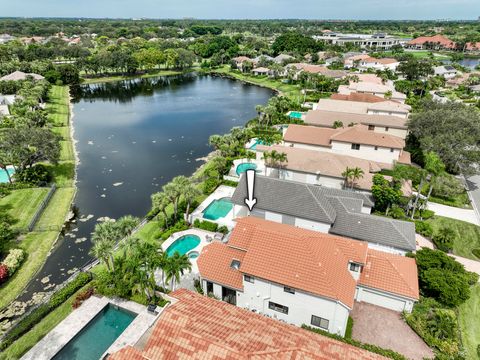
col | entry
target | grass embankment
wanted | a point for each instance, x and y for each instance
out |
(469, 322)
(27, 341)
(23, 203)
(467, 239)
(151, 74)
(290, 90)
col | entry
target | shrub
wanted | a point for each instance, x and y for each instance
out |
(348, 331)
(373, 348)
(476, 252)
(223, 229)
(209, 185)
(426, 214)
(423, 228)
(81, 297)
(198, 286)
(179, 226)
(3, 273)
(205, 225)
(68, 290)
(13, 260)
(444, 239)
(35, 175)
(397, 212)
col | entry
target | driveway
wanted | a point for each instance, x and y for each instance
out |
(385, 328)
(455, 213)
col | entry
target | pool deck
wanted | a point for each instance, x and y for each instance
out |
(232, 174)
(221, 192)
(56, 339)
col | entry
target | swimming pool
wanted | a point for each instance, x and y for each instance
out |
(193, 254)
(241, 168)
(98, 335)
(217, 209)
(183, 245)
(3, 174)
(295, 114)
(257, 142)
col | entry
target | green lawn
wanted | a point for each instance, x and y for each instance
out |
(27, 341)
(150, 232)
(468, 235)
(58, 108)
(54, 215)
(469, 322)
(22, 204)
(63, 131)
(105, 79)
(66, 150)
(290, 90)
(37, 246)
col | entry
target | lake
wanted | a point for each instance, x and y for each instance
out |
(133, 137)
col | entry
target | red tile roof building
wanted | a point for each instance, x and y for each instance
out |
(197, 327)
(432, 42)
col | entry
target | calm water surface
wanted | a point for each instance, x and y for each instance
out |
(133, 137)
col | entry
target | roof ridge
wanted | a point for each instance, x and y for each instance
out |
(320, 204)
(394, 224)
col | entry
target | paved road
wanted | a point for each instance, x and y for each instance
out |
(473, 184)
(455, 213)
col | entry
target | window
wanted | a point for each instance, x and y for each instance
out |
(320, 322)
(278, 307)
(392, 149)
(354, 267)
(235, 264)
(289, 290)
(371, 127)
(386, 128)
(355, 146)
(249, 278)
(376, 147)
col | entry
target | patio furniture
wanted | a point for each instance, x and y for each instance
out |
(218, 236)
(208, 238)
(151, 308)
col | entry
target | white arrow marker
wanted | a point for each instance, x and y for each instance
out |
(250, 200)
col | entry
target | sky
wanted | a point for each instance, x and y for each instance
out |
(246, 9)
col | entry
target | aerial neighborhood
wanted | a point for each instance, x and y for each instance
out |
(239, 189)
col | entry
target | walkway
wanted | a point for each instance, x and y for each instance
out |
(455, 213)
(385, 328)
(473, 184)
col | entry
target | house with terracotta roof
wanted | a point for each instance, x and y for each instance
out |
(239, 60)
(354, 61)
(199, 327)
(301, 277)
(378, 64)
(387, 107)
(357, 141)
(436, 42)
(325, 209)
(320, 168)
(472, 46)
(392, 125)
(261, 71)
(20, 75)
(384, 91)
(315, 69)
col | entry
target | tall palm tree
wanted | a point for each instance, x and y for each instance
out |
(266, 158)
(347, 175)
(160, 201)
(102, 249)
(357, 174)
(127, 224)
(173, 190)
(190, 193)
(104, 238)
(176, 266)
(279, 158)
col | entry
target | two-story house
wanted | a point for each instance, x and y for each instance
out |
(304, 277)
(387, 107)
(358, 141)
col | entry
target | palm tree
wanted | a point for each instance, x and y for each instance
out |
(190, 193)
(102, 249)
(104, 239)
(266, 157)
(173, 190)
(347, 175)
(127, 224)
(357, 174)
(435, 167)
(219, 163)
(161, 201)
(176, 266)
(279, 160)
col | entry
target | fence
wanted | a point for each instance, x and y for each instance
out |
(42, 207)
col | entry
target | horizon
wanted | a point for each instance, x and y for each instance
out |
(370, 10)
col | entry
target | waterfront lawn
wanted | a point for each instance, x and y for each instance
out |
(63, 131)
(54, 214)
(47, 324)
(469, 322)
(289, 90)
(467, 239)
(105, 79)
(22, 204)
(58, 108)
(36, 246)
(63, 173)
(66, 150)
(151, 231)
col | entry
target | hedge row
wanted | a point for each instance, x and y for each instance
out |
(43, 310)
(373, 348)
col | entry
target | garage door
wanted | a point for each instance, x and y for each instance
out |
(383, 300)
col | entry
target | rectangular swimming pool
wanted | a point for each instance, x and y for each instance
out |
(98, 335)
(217, 209)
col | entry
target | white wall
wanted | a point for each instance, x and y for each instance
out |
(402, 133)
(387, 249)
(301, 305)
(383, 299)
(367, 152)
(312, 225)
(403, 115)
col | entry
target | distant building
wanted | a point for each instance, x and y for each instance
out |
(20, 75)
(377, 41)
(447, 71)
(436, 42)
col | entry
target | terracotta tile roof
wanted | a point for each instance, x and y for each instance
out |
(223, 260)
(241, 59)
(358, 134)
(309, 135)
(369, 78)
(274, 251)
(472, 46)
(392, 273)
(198, 327)
(384, 61)
(358, 107)
(361, 135)
(436, 39)
(326, 163)
(318, 69)
(354, 96)
(404, 157)
(261, 69)
(327, 119)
